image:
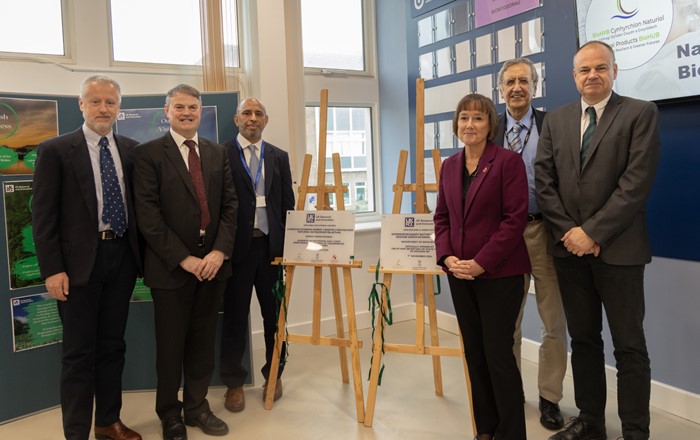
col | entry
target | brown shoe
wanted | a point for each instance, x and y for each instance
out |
(116, 431)
(278, 391)
(235, 399)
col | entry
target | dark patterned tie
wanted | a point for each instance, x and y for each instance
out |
(259, 190)
(113, 211)
(588, 134)
(195, 167)
(514, 141)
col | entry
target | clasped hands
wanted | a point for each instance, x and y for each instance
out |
(204, 268)
(579, 243)
(463, 269)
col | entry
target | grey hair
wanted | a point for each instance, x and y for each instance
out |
(185, 89)
(99, 79)
(515, 61)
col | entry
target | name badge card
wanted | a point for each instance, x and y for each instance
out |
(408, 242)
(319, 237)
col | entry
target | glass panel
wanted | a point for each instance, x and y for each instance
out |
(539, 67)
(352, 139)
(425, 31)
(532, 37)
(460, 16)
(483, 50)
(26, 31)
(506, 44)
(429, 136)
(443, 62)
(463, 55)
(332, 34)
(447, 138)
(131, 32)
(425, 65)
(443, 25)
(484, 85)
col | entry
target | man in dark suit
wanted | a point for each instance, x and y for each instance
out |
(85, 234)
(265, 194)
(595, 167)
(186, 206)
(518, 130)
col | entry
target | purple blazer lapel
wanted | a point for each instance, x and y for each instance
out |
(483, 169)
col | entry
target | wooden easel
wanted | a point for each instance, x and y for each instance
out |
(423, 278)
(340, 341)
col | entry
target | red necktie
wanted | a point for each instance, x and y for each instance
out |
(198, 182)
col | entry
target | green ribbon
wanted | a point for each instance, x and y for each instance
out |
(278, 291)
(375, 301)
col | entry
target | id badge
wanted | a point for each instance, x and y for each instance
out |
(260, 201)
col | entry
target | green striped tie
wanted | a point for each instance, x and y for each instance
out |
(588, 134)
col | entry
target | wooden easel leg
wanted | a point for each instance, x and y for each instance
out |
(420, 314)
(316, 313)
(434, 338)
(339, 327)
(376, 355)
(354, 347)
(279, 340)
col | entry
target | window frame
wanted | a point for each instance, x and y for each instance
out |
(190, 69)
(68, 41)
(368, 43)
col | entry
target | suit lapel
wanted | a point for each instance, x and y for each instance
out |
(206, 159)
(172, 152)
(239, 168)
(573, 122)
(80, 158)
(612, 108)
(483, 169)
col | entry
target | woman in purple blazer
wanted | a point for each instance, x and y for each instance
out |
(479, 222)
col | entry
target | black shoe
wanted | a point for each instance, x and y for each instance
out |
(208, 423)
(174, 429)
(577, 429)
(550, 415)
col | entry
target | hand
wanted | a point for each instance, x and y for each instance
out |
(463, 269)
(210, 264)
(578, 242)
(57, 286)
(191, 264)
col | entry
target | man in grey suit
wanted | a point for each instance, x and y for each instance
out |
(186, 208)
(595, 167)
(518, 130)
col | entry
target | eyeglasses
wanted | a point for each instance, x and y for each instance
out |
(523, 82)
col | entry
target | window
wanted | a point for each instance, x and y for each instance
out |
(167, 32)
(349, 134)
(333, 34)
(26, 31)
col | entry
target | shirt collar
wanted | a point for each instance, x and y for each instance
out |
(93, 138)
(525, 121)
(244, 143)
(599, 106)
(180, 139)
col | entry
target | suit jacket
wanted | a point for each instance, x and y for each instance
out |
(607, 197)
(168, 212)
(64, 206)
(489, 225)
(501, 131)
(279, 198)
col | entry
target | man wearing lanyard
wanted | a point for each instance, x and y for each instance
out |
(263, 181)
(518, 129)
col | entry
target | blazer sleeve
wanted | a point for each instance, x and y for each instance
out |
(441, 218)
(636, 181)
(46, 210)
(287, 189)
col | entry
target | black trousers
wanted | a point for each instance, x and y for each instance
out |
(94, 320)
(257, 271)
(588, 285)
(185, 323)
(486, 311)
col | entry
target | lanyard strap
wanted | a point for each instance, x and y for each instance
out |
(529, 130)
(247, 168)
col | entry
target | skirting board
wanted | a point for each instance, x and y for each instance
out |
(664, 397)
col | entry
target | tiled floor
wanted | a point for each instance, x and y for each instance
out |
(317, 405)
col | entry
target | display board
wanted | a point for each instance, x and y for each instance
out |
(30, 351)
